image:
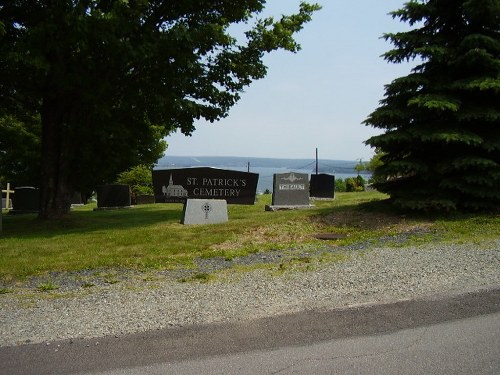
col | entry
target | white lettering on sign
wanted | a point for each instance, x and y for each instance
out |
(292, 187)
(214, 192)
(230, 182)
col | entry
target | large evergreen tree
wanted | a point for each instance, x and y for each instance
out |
(441, 145)
(110, 78)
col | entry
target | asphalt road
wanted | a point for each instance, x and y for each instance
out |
(446, 334)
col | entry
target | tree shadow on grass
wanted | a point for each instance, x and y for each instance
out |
(86, 221)
(372, 215)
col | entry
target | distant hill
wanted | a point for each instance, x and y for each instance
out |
(325, 165)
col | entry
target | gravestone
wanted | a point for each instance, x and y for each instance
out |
(290, 191)
(26, 200)
(144, 199)
(204, 211)
(322, 186)
(177, 185)
(76, 199)
(113, 196)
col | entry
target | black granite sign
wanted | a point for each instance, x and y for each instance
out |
(322, 186)
(177, 185)
(290, 189)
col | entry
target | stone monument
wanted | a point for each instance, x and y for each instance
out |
(322, 186)
(26, 200)
(113, 196)
(177, 185)
(290, 191)
(204, 211)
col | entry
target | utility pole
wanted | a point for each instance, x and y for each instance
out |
(317, 160)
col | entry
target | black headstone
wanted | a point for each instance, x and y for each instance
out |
(177, 185)
(290, 189)
(322, 185)
(114, 195)
(76, 198)
(144, 199)
(26, 199)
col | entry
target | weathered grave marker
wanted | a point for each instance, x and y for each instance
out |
(177, 185)
(204, 211)
(290, 191)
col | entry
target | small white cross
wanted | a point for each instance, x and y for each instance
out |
(7, 197)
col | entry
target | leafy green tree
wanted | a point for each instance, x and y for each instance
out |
(20, 151)
(374, 166)
(360, 166)
(139, 178)
(441, 146)
(110, 78)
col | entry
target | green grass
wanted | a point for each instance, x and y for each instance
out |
(151, 236)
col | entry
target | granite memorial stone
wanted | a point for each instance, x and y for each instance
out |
(144, 199)
(290, 190)
(26, 199)
(113, 196)
(177, 185)
(322, 186)
(204, 211)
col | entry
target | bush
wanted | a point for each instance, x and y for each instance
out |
(339, 185)
(353, 184)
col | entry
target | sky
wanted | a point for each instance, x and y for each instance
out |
(314, 99)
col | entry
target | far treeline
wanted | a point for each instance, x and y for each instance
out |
(89, 89)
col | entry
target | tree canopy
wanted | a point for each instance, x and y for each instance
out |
(108, 79)
(440, 149)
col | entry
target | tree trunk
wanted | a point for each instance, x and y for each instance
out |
(55, 189)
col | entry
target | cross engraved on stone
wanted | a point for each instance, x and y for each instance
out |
(206, 208)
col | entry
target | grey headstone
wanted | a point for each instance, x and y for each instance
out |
(204, 211)
(290, 189)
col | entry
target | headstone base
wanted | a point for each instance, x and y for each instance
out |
(204, 211)
(287, 207)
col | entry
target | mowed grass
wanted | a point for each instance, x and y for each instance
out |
(151, 236)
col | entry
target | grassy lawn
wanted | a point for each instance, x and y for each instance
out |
(151, 236)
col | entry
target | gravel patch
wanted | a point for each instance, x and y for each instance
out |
(102, 303)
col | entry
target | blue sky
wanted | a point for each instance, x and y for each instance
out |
(316, 98)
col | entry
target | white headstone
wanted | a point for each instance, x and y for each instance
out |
(204, 211)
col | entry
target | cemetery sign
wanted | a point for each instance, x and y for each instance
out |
(177, 185)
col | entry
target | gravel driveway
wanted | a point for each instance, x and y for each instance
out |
(92, 304)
